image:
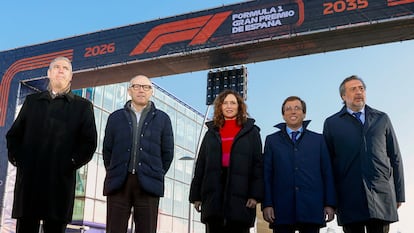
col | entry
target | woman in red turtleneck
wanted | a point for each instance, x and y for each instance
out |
(228, 177)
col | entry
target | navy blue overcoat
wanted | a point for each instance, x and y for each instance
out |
(298, 177)
(156, 150)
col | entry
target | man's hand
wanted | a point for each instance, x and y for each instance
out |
(329, 213)
(197, 206)
(251, 203)
(269, 214)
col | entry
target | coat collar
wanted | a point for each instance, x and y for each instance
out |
(367, 110)
(370, 115)
(127, 105)
(282, 126)
(249, 124)
(69, 96)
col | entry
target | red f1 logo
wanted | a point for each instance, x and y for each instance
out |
(198, 30)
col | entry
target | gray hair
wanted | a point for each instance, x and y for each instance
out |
(139, 76)
(61, 59)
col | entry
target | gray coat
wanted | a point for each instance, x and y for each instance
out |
(367, 166)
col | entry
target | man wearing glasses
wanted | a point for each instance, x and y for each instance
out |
(138, 149)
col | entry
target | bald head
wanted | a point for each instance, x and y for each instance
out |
(140, 78)
(140, 90)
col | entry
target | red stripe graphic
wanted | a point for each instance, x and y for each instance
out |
(301, 8)
(399, 2)
(25, 64)
(198, 30)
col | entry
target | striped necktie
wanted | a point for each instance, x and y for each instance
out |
(358, 116)
(294, 135)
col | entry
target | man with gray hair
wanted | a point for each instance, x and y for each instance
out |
(367, 163)
(53, 135)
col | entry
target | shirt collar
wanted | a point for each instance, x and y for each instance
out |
(362, 111)
(289, 130)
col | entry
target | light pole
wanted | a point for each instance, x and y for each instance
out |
(186, 158)
(190, 210)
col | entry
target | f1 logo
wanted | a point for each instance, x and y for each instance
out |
(197, 30)
(398, 2)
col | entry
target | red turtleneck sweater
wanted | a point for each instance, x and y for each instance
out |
(227, 134)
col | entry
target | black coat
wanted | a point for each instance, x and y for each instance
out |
(244, 179)
(367, 166)
(48, 141)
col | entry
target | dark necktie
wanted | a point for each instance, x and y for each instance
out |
(294, 135)
(358, 116)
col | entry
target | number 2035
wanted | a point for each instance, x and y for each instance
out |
(343, 5)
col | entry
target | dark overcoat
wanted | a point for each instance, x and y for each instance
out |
(367, 165)
(48, 141)
(227, 200)
(298, 177)
(156, 150)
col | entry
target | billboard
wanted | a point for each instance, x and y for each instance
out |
(191, 41)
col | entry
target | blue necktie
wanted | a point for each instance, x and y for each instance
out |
(294, 135)
(358, 116)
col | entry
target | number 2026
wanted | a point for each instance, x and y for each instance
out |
(99, 50)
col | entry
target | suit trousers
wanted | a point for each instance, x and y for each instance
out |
(372, 226)
(29, 225)
(143, 204)
(301, 228)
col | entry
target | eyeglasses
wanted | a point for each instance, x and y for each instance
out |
(144, 87)
(294, 108)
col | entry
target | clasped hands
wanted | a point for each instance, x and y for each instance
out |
(251, 203)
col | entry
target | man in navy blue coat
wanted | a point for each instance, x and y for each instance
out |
(299, 187)
(367, 164)
(138, 149)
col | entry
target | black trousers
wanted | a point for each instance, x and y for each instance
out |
(28, 225)
(131, 196)
(372, 226)
(218, 226)
(302, 228)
